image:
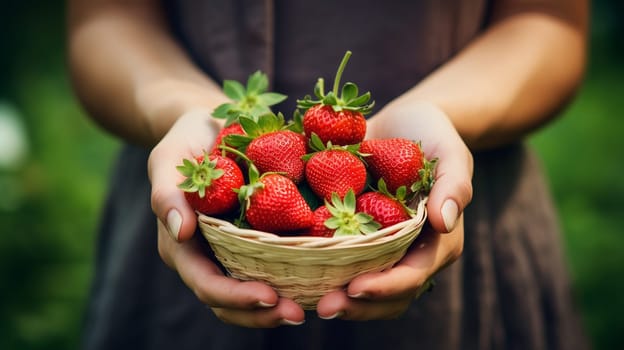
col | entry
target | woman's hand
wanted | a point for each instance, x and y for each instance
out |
(388, 294)
(249, 304)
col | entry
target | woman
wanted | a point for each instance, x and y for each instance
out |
(468, 80)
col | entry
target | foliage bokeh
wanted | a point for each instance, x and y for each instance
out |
(51, 195)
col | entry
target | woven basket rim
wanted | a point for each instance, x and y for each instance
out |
(315, 243)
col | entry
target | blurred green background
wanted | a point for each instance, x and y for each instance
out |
(54, 167)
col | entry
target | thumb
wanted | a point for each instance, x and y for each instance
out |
(168, 201)
(190, 135)
(452, 190)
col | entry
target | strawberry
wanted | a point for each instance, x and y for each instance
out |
(252, 100)
(400, 162)
(339, 218)
(334, 169)
(318, 229)
(272, 203)
(210, 183)
(232, 129)
(279, 151)
(336, 119)
(271, 146)
(385, 208)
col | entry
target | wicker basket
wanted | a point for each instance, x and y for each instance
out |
(306, 268)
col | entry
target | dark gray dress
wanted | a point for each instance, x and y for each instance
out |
(509, 290)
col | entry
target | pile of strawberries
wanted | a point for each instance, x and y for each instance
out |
(314, 175)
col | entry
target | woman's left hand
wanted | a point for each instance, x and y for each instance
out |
(388, 294)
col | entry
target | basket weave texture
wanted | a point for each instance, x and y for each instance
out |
(306, 268)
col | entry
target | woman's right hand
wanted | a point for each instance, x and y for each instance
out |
(248, 304)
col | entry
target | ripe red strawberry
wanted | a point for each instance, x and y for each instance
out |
(336, 119)
(344, 127)
(279, 151)
(318, 229)
(232, 129)
(385, 208)
(273, 204)
(335, 170)
(271, 146)
(210, 183)
(400, 162)
(339, 218)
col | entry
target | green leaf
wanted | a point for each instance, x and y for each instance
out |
(254, 174)
(349, 201)
(271, 98)
(234, 90)
(188, 185)
(250, 127)
(258, 110)
(370, 227)
(382, 187)
(236, 140)
(257, 83)
(349, 92)
(319, 89)
(330, 99)
(232, 118)
(401, 193)
(333, 223)
(270, 122)
(316, 143)
(359, 101)
(353, 149)
(296, 122)
(363, 218)
(222, 110)
(333, 209)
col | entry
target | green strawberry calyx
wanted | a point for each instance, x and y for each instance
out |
(344, 220)
(349, 98)
(199, 175)
(253, 185)
(426, 177)
(252, 99)
(317, 145)
(401, 195)
(256, 127)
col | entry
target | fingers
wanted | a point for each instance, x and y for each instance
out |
(387, 294)
(285, 313)
(249, 304)
(167, 200)
(425, 122)
(339, 305)
(190, 136)
(452, 190)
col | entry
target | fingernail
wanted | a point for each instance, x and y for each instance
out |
(264, 304)
(286, 322)
(359, 295)
(331, 317)
(449, 214)
(174, 222)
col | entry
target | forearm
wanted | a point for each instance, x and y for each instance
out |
(129, 73)
(511, 79)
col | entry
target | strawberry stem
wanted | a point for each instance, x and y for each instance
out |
(341, 68)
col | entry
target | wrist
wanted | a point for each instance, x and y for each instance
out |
(163, 102)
